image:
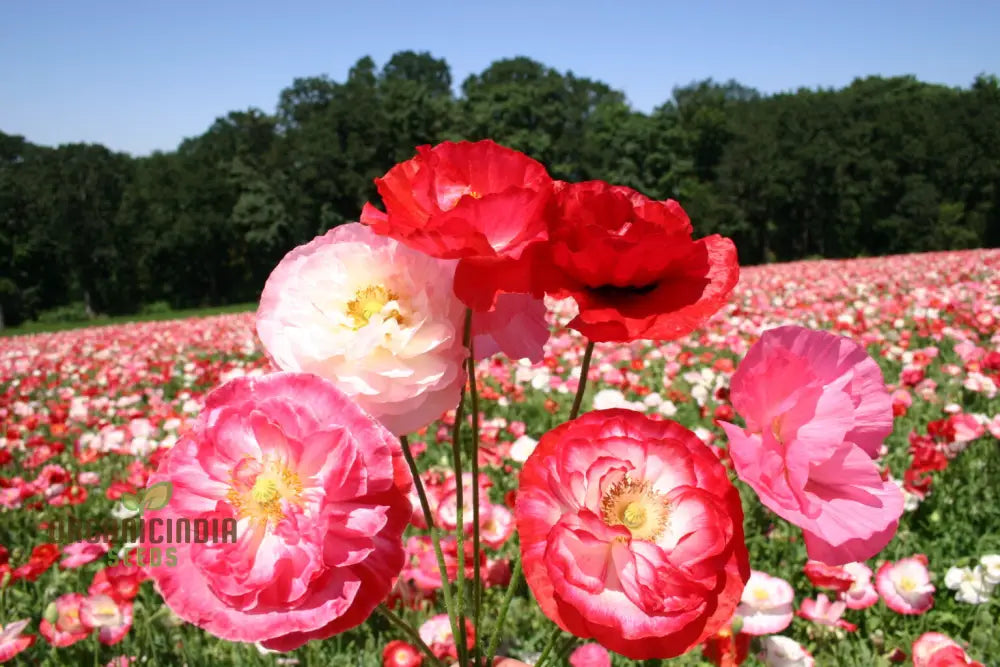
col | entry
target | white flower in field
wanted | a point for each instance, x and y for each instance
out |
(541, 380)
(699, 393)
(991, 568)
(980, 383)
(521, 448)
(955, 575)
(969, 583)
(610, 398)
(691, 377)
(704, 435)
(652, 400)
(911, 501)
(667, 408)
(779, 651)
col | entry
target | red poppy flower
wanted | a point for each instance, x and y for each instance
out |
(631, 534)
(478, 202)
(631, 265)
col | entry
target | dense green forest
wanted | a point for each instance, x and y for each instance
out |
(885, 165)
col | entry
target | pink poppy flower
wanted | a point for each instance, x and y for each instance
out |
(631, 533)
(497, 525)
(966, 428)
(833, 577)
(862, 593)
(516, 326)
(816, 411)
(436, 633)
(80, 553)
(766, 604)
(373, 316)
(590, 655)
(318, 489)
(68, 627)
(905, 585)
(933, 649)
(12, 641)
(123, 661)
(824, 612)
(111, 618)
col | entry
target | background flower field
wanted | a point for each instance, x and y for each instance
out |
(84, 411)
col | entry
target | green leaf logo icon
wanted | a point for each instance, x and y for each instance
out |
(157, 496)
(131, 501)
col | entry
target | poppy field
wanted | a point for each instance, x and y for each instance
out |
(89, 415)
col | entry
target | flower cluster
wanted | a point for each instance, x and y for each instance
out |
(630, 530)
(628, 525)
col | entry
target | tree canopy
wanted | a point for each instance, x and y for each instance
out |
(884, 165)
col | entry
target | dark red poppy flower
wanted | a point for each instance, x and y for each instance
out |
(631, 265)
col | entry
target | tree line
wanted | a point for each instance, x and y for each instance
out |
(884, 165)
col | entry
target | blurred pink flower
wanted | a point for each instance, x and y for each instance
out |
(824, 612)
(779, 651)
(516, 327)
(436, 633)
(967, 428)
(12, 639)
(80, 553)
(862, 593)
(766, 605)
(816, 412)
(933, 649)
(68, 627)
(590, 655)
(905, 585)
(111, 618)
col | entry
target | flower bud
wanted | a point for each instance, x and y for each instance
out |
(51, 613)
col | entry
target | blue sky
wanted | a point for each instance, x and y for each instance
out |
(138, 76)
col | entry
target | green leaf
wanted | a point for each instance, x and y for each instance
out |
(130, 501)
(157, 496)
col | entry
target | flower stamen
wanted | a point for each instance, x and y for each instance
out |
(371, 300)
(635, 505)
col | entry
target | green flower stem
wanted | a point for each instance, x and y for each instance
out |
(411, 632)
(435, 536)
(582, 387)
(456, 450)
(549, 645)
(494, 642)
(477, 586)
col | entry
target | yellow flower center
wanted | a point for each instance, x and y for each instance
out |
(636, 506)
(262, 500)
(907, 585)
(474, 194)
(369, 301)
(634, 516)
(264, 490)
(760, 594)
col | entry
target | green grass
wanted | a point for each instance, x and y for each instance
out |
(103, 320)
